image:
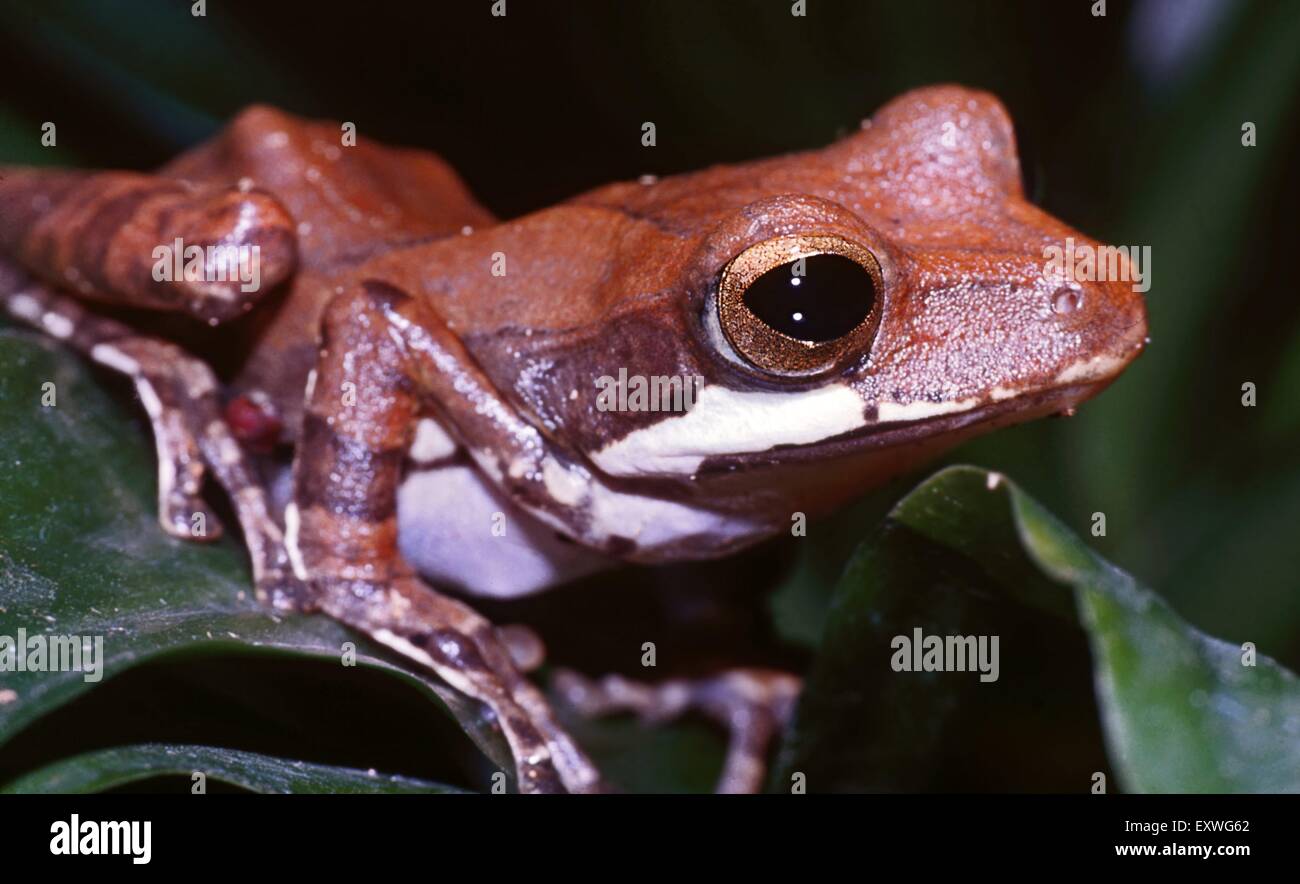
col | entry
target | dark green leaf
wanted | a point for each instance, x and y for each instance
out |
(968, 553)
(109, 768)
(81, 553)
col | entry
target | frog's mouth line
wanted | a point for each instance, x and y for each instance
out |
(958, 425)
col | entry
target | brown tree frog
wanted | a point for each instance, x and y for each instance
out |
(845, 314)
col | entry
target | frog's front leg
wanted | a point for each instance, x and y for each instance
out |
(161, 376)
(752, 704)
(179, 393)
(384, 358)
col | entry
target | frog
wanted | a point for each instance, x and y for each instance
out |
(434, 377)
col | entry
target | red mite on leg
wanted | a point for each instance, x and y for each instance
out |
(254, 422)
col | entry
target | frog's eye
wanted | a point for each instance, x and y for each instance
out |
(797, 305)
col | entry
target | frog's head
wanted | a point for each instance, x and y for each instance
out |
(851, 312)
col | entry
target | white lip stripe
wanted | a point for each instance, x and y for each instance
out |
(892, 412)
(1091, 369)
(726, 421)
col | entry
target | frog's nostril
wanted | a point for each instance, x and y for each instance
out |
(1066, 300)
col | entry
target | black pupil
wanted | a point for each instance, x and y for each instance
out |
(817, 299)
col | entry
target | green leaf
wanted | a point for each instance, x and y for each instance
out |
(968, 553)
(110, 768)
(81, 554)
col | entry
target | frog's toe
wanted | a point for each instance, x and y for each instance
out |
(471, 655)
(525, 646)
(753, 704)
(180, 395)
(188, 518)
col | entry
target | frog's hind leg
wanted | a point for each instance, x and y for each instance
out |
(754, 705)
(142, 241)
(364, 399)
(179, 394)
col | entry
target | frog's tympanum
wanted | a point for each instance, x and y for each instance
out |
(839, 316)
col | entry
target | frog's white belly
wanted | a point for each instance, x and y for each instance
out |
(459, 531)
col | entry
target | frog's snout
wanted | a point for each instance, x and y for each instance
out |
(1106, 322)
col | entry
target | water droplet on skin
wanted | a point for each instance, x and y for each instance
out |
(1067, 300)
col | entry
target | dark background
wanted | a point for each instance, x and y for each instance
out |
(1129, 129)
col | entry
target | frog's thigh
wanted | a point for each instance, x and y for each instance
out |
(179, 394)
(362, 410)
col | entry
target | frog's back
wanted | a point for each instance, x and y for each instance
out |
(351, 199)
